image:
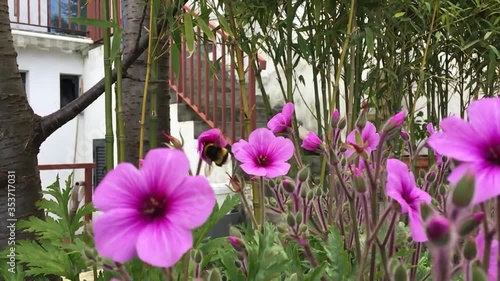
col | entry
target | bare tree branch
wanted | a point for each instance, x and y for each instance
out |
(53, 121)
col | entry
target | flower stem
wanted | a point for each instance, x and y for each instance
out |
(261, 203)
(247, 208)
(354, 222)
(487, 239)
(123, 273)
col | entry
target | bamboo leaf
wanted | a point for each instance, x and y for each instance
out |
(469, 45)
(370, 44)
(495, 50)
(174, 56)
(189, 32)
(95, 22)
(225, 25)
(116, 44)
(205, 28)
(487, 35)
(399, 14)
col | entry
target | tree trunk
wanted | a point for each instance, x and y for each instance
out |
(22, 132)
(19, 141)
(135, 20)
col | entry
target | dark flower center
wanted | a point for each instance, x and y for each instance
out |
(262, 160)
(153, 208)
(493, 155)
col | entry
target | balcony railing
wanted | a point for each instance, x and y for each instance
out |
(54, 16)
(208, 83)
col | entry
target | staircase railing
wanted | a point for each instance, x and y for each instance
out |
(208, 83)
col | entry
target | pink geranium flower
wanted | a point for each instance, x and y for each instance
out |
(402, 188)
(476, 144)
(281, 121)
(369, 136)
(264, 154)
(212, 136)
(150, 212)
(492, 267)
(431, 131)
(312, 142)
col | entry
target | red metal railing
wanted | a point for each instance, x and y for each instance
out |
(54, 16)
(209, 85)
(88, 167)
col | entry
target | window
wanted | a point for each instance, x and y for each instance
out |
(69, 88)
(61, 13)
(23, 78)
(99, 147)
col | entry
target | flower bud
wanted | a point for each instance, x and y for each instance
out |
(197, 256)
(359, 182)
(174, 142)
(464, 191)
(272, 184)
(470, 249)
(236, 243)
(310, 195)
(335, 118)
(438, 231)
(215, 275)
(342, 123)
(236, 182)
(288, 185)
(282, 229)
(290, 220)
(400, 273)
(430, 177)
(421, 173)
(299, 217)
(233, 231)
(343, 162)
(426, 211)
(303, 193)
(470, 223)
(404, 135)
(319, 192)
(362, 119)
(303, 228)
(304, 174)
(394, 122)
(442, 189)
(393, 263)
(478, 273)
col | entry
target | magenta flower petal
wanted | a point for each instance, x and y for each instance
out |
(312, 142)
(456, 140)
(120, 188)
(165, 169)
(116, 232)
(486, 183)
(484, 117)
(281, 121)
(153, 213)
(253, 169)
(163, 243)
(191, 207)
(264, 154)
(369, 136)
(402, 188)
(416, 226)
(277, 170)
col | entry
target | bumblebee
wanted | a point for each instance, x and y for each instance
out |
(217, 154)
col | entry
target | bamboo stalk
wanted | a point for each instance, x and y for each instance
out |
(146, 83)
(153, 100)
(120, 129)
(108, 95)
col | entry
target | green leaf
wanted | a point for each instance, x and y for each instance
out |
(225, 25)
(399, 14)
(116, 44)
(495, 50)
(205, 28)
(175, 54)
(370, 43)
(189, 32)
(487, 35)
(95, 22)
(469, 45)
